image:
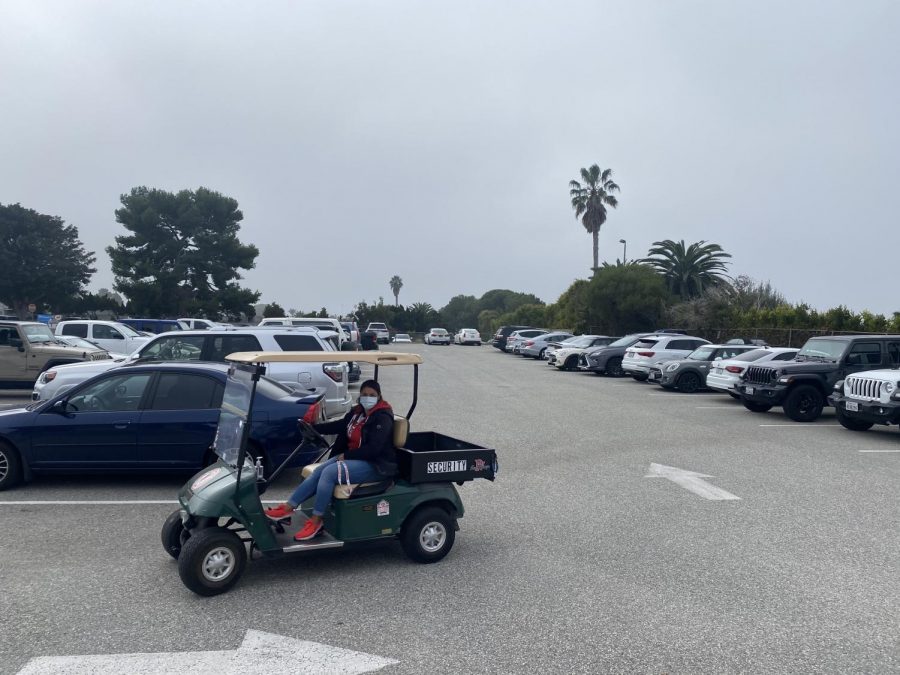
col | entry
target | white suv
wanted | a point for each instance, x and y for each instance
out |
(652, 349)
(215, 345)
(310, 322)
(110, 335)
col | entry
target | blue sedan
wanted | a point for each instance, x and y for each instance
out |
(159, 417)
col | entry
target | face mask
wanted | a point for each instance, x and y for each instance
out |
(368, 402)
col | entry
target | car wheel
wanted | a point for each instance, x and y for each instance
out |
(688, 383)
(171, 534)
(428, 534)
(10, 466)
(753, 406)
(852, 424)
(640, 377)
(804, 403)
(734, 396)
(614, 367)
(540, 356)
(571, 363)
(211, 561)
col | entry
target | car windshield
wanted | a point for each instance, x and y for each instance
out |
(128, 330)
(702, 354)
(581, 341)
(38, 334)
(402, 336)
(828, 349)
(752, 355)
(234, 413)
(438, 331)
(645, 344)
(626, 341)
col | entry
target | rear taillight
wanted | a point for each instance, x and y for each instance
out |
(529, 343)
(334, 370)
(312, 414)
(734, 369)
(646, 353)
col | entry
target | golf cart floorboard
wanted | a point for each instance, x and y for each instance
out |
(289, 545)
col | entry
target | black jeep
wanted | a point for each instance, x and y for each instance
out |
(801, 386)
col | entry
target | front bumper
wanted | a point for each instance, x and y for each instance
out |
(867, 411)
(770, 394)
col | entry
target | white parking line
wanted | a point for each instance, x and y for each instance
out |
(880, 450)
(718, 407)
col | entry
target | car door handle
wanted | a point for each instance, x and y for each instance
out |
(121, 425)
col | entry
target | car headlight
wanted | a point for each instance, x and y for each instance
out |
(888, 387)
(672, 367)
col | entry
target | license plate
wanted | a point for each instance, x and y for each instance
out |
(749, 390)
(852, 406)
(717, 371)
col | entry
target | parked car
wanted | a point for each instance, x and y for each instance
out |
(159, 417)
(802, 386)
(381, 332)
(87, 345)
(311, 322)
(29, 348)
(199, 324)
(514, 339)
(608, 360)
(746, 341)
(537, 346)
(467, 336)
(352, 329)
(568, 354)
(726, 375)
(437, 336)
(653, 349)
(215, 345)
(866, 399)
(500, 337)
(155, 326)
(689, 374)
(112, 336)
(402, 337)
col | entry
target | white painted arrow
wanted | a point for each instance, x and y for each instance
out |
(690, 480)
(260, 653)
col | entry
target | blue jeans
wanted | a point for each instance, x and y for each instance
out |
(321, 482)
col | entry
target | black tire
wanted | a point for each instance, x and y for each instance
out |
(540, 356)
(688, 383)
(640, 377)
(571, 363)
(171, 534)
(200, 550)
(614, 367)
(10, 466)
(736, 397)
(428, 534)
(753, 406)
(804, 403)
(852, 424)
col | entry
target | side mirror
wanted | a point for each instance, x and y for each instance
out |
(60, 407)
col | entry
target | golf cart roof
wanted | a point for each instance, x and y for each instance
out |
(375, 358)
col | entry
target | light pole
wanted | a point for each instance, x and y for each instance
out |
(624, 250)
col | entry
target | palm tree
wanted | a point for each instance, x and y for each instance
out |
(688, 270)
(590, 199)
(396, 283)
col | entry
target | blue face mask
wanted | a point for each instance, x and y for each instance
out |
(368, 402)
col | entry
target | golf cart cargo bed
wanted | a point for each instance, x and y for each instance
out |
(430, 457)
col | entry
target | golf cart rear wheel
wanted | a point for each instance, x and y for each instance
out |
(172, 533)
(211, 561)
(428, 535)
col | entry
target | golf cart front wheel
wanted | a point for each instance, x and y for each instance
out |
(211, 561)
(428, 535)
(172, 533)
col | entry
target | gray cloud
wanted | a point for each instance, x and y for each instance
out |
(433, 141)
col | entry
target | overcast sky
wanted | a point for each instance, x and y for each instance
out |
(436, 140)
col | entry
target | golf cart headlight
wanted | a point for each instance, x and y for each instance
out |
(888, 387)
(839, 386)
(672, 367)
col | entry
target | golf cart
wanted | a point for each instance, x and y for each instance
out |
(221, 514)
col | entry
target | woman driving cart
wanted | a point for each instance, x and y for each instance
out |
(363, 452)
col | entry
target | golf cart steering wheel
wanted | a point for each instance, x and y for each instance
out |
(310, 434)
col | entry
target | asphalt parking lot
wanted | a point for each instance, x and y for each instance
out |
(581, 558)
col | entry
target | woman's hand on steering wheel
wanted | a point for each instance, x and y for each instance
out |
(310, 434)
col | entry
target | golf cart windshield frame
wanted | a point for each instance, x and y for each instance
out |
(235, 415)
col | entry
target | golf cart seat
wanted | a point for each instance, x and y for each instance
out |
(401, 431)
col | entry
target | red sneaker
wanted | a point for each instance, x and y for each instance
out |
(310, 530)
(279, 512)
